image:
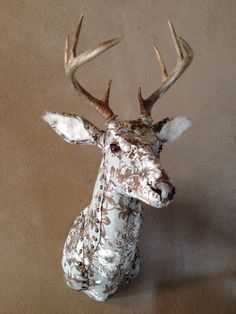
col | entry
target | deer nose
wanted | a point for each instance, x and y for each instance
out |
(166, 192)
(171, 194)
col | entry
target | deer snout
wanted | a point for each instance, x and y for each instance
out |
(167, 193)
(165, 190)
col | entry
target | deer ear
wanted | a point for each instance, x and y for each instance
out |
(74, 129)
(168, 130)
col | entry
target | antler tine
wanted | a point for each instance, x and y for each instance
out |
(177, 44)
(73, 62)
(161, 62)
(184, 58)
(107, 95)
(76, 35)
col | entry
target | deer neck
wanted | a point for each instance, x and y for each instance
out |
(111, 214)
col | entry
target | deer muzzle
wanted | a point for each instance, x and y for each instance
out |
(164, 188)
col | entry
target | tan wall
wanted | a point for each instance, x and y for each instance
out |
(188, 249)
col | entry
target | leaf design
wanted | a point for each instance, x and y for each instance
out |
(112, 171)
(110, 201)
(106, 220)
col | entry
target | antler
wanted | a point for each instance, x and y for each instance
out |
(184, 58)
(73, 62)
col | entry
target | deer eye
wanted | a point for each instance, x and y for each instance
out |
(115, 148)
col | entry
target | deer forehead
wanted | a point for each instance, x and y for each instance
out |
(131, 133)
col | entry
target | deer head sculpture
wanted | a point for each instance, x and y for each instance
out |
(101, 250)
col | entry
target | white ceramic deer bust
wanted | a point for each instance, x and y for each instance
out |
(101, 252)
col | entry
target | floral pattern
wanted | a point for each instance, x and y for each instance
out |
(101, 250)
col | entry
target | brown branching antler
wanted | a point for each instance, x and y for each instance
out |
(73, 62)
(184, 58)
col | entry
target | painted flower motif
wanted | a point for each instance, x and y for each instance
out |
(125, 209)
(126, 265)
(145, 172)
(132, 235)
(120, 239)
(91, 220)
(110, 289)
(108, 258)
(106, 272)
(105, 219)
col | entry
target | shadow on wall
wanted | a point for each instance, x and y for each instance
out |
(180, 242)
(182, 249)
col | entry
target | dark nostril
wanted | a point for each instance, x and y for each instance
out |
(173, 190)
(158, 191)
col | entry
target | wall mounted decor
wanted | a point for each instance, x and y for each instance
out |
(101, 250)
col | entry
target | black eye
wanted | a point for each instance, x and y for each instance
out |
(115, 148)
(160, 148)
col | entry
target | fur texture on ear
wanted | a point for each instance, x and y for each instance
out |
(172, 129)
(72, 128)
